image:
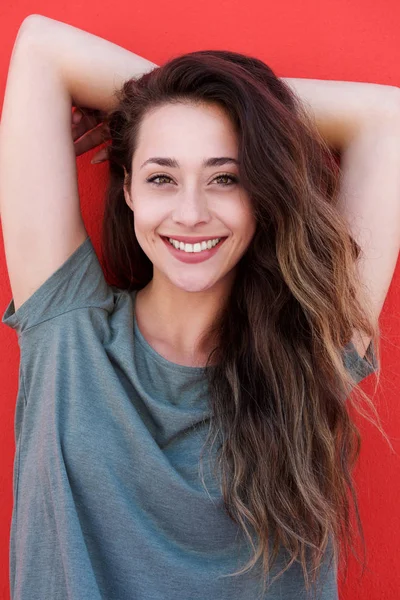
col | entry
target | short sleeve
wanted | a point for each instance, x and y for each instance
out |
(360, 367)
(78, 283)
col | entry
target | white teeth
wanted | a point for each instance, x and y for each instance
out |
(197, 247)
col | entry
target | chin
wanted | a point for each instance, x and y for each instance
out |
(192, 285)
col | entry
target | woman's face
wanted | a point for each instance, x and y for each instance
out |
(179, 194)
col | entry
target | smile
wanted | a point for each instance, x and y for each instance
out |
(193, 253)
(197, 247)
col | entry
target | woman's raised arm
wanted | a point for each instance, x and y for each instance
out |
(363, 121)
(341, 109)
(90, 67)
(52, 65)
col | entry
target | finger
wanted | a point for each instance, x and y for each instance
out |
(79, 113)
(76, 117)
(86, 123)
(91, 140)
(100, 156)
(83, 111)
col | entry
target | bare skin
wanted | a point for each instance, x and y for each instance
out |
(181, 301)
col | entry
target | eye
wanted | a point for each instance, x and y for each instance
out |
(227, 176)
(231, 178)
(152, 179)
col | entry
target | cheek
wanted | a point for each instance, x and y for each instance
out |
(242, 219)
(147, 218)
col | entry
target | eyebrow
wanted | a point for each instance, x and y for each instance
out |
(173, 164)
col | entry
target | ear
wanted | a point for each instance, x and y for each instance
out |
(126, 191)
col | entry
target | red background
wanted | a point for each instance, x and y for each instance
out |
(356, 40)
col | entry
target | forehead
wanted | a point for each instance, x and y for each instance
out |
(184, 130)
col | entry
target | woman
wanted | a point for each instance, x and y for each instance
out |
(243, 311)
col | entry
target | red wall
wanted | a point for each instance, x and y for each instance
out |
(354, 40)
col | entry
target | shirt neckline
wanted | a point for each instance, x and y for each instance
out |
(158, 357)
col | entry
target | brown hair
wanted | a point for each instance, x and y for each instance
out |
(278, 392)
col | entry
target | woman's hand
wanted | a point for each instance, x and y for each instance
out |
(88, 132)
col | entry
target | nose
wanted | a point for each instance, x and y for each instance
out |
(191, 209)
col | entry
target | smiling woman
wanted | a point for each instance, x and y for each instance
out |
(265, 310)
(225, 314)
(190, 205)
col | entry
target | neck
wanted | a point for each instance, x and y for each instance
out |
(176, 320)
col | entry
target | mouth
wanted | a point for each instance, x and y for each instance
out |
(196, 245)
(199, 250)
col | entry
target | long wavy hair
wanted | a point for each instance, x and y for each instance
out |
(278, 390)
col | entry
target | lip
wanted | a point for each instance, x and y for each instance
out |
(192, 240)
(192, 257)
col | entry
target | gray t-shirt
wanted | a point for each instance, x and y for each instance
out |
(108, 501)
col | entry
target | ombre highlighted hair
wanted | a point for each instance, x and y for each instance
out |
(279, 392)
